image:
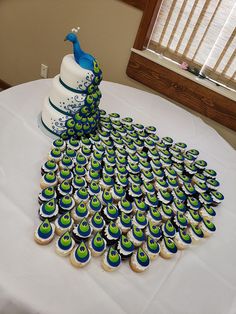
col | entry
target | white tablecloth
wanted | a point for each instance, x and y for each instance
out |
(33, 279)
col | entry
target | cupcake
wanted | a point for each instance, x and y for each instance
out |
(217, 198)
(55, 154)
(161, 184)
(150, 129)
(133, 158)
(181, 146)
(193, 152)
(122, 180)
(64, 188)
(125, 206)
(59, 143)
(44, 233)
(179, 194)
(80, 256)
(106, 198)
(151, 247)
(127, 121)
(148, 188)
(110, 213)
(188, 189)
(79, 212)
(82, 231)
(178, 206)
(63, 224)
(48, 180)
(136, 236)
(94, 164)
(134, 179)
(200, 164)
(193, 203)
(139, 261)
(97, 222)
(151, 200)
(180, 221)
(207, 227)
(71, 153)
(190, 169)
(210, 173)
(65, 244)
(201, 187)
(135, 191)
(79, 171)
(212, 184)
(78, 182)
(97, 245)
(147, 176)
(94, 188)
(106, 182)
(182, 178)
(123, 222)
(172, 184)
(167, 140)
(174, 150)
(165, 161)
(158, 173)
(64, 174)
(117, 192)
(110, 160)
(153, 154)
(139, 220)
(94, 205)
(164, 196)
(154, 216)
(81, 195)
(125, 247)
(49, 166)
(85, 151)
(179, 158)
(108, 170)
(193, 217)
(182, 239)
(168, 229)
(73, 143)
(179, 168)
(133, 168)
(66, 204)
(66, 162)
(207, 212)
(81, 160)
(121, 170)
(111, 260)
(122, 160)
(92, 175)
(153, 231)
(205, 198)
(168, 248)
(46, 195)
(142, 156)
(144, 165)
(112, 233)
(97, 156)
(198, 177)
(48, 210)
(195, 233)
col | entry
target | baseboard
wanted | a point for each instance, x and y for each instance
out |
(4, 85)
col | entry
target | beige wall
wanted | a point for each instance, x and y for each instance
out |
(32, 32)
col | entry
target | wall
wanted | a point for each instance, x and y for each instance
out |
(32, 32)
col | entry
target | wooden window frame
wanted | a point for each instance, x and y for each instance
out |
(171, 84)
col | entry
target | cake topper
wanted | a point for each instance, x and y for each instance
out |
(85, 60)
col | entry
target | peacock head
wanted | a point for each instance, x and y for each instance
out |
(71, 37)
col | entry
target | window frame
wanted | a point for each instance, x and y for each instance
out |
(171, 84)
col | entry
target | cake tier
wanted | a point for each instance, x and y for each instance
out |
(70, 102)
(75, 78)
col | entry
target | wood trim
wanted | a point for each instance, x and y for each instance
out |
(140, 4)
(183, 90)
(147, 23)
(4, 85)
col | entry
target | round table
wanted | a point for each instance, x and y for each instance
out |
(33, 279)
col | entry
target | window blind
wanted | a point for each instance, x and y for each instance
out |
(201, 33)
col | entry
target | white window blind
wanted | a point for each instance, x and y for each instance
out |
(201, 33)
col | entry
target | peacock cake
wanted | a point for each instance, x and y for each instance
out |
(113, 188)
(72, 107)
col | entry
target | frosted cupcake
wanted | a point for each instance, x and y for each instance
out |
(180, 221)
(121, 170)
(78, 182)
(147, 176)
(150, 129)
(112, 233)
(92, 175)
(148, 188)
(161, 184)
(207, 227)
(46, 195)
(49, 166)
(135, 191)
(200, 164)
(66, 162)
(125, 206)
(80, 256)
(164, 196)
(198, 177)
(153, 154)
(139, 220)
(94, 205)
(136, 236)
(133, 158)
(193, 203)
(65, 244)
(168, 229)
(73, 143)
(48, 180)
(195, 233)
(166, 212)
(94, 188)
(94, 164)
(81, 160)
(193, 152)
(158, 173)
(151, 200)
(63, 224)
(154, 216)
(44, 233)
(106, 182)
(81, 195)
(133, 168)
(182, 178)
(108, 170)
(151, 247)
(165, 161)
(189, 160)
(65, 174)
(144, 165)
(110, 213)
(210, 173)
(212, 184)
(140, 205)
(97, 245)
(167, 140)
(127, 120)
(168, 248)
(79, 212)
(106, 198)
(178, 206)
(122, 180)
(82, 231)
(178, 167)
(190, 169)
(142, 155)
(66, 204)
(97, 156)
(188, 189)
(172, 184)
(205, 198)
(49, 210)
(117, 192)
(201, 187)
(85, 151)
(64, 188)
(124, 222)
(55, 154)
(97, 222)
(207, 212)
(182, 239)
(193, 217)
(179, 194)
(217, 198)
(111, 260)
(153, 231)
(110, 160)
(71, 153)
(79, 171)
(139, 261)
(134, 179)
(125, 247)
(59, 143)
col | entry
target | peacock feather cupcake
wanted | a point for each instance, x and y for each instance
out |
(65, 174)
(122, 180)
(179, 194)
(94, 164)
(79, 171)
(151, 200)
(44, 233)
(172, 183)
(178, 206)
(151, 247)
(94, 205)
(55, 154)
(133, 158)
(97, 222)
(81, 160)
(82, 231)
(65, 244)
(180, 221)
(78, 182)
(97, 156)
(166, 212)
(125, 206)
(63, 224)
(148, 188)
(127, 120)
(207, 227)
(81, 195)
(161, 184)
(139, 220)
(133, 168)
(158, 173)
(110, 160)
(168, 229)
(66, 204)
(112, 233)
(144, 165)
(179, 158)
(66, 162)
(79, 212)
(80, 256)
(139, 261)
(201, 164)
(164, 196)
(59, 143)
(201, 187)
(198, 177)
(193, 217)
(165, 161)
(97, 245)
(49, 166)
(46, 195)
(117, 192)
(121, 170)
(49, 210)
(210, 173)
(121, 152)
(106, 198)
(106, 182)
(86, 152)
(147, 176)
(136, 236)
(135, 191)
(124, 222)
(48, 180)
(154, 216)
(193, 203)
(110, 213)
(207, 212)
(140, 205)
(182, 239)
(193, 152)
(150, 129)
(153, 154)
(142, 155)
(125, 247)
(149, 144)
(182, 178)
(153, 231)
(179, 168)
(174, 150)
(168, 248)
(73, 143)
(167, 140)
(94, 188)
(195, 233)
(71, 153)
(212, 184)
(92, 175)
(189, 160)
(108, 170)
(135, 179)
(190, 169)
(121, 160)
(111, 260)
(164, 153)
(205, 198)
(64, 188)
(188, 189)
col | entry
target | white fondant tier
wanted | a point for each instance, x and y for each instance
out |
(74, 76)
